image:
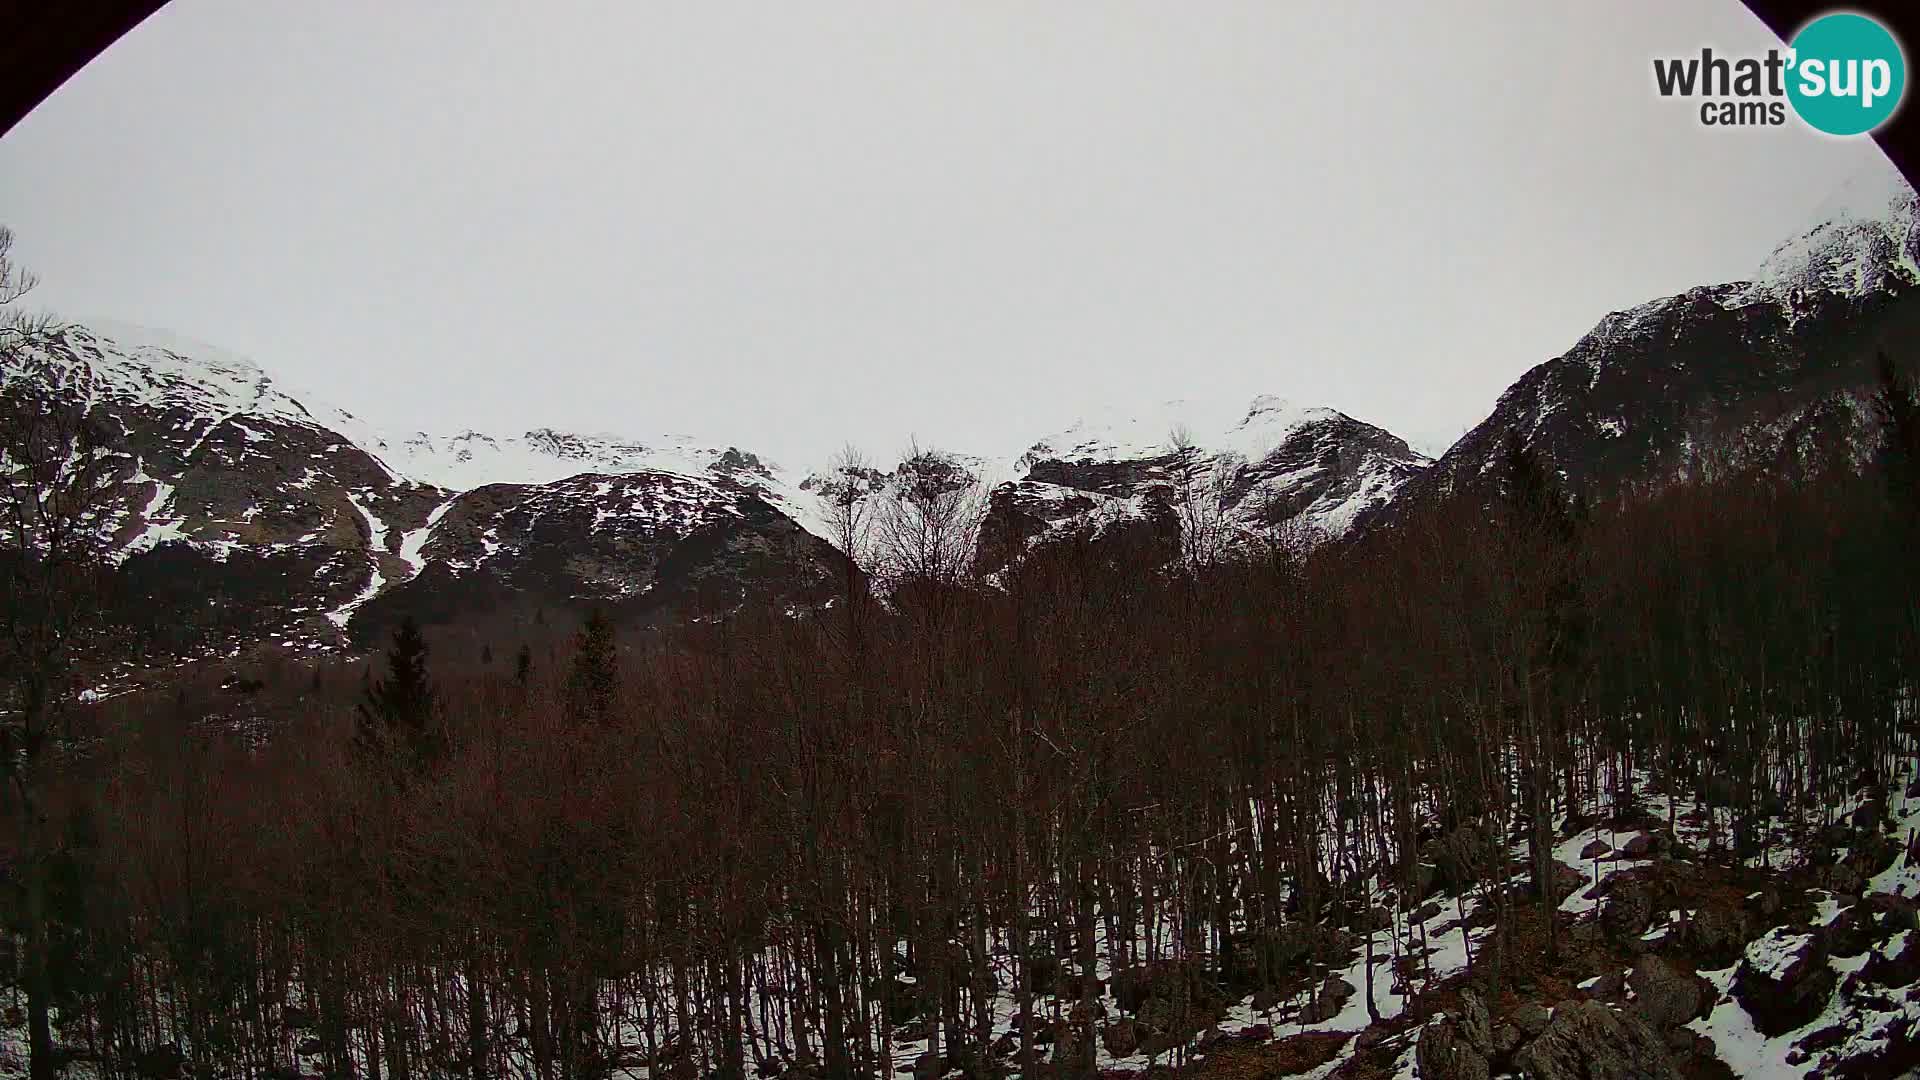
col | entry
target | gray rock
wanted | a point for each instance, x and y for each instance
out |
(1784, 980)
(1628, 910)
(1531, 1018)
(1506, 1039)
(1442, 1054)
(1665, 996)
(1716, 932)
(1327, 1002)
(1588, 1041)
(1476, 1025)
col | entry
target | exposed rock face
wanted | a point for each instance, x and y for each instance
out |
(644, 545)
(242, 511)
(1188, 478)
(1664, 996)
(1588, 1041)
(1444, 1053)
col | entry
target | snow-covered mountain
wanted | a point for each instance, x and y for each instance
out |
(1238, 475)
(255, 510)
(1771, 373)
(251, 513)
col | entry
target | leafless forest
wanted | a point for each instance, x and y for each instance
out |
(787, 843)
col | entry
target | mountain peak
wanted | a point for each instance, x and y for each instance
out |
(1862, 238)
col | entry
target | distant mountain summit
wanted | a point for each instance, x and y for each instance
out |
(1244, 478)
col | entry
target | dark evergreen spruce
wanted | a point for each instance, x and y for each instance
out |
(591, 683)
(398, 713)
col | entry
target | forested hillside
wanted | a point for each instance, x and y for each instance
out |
(1268, 749)
(1343, 809)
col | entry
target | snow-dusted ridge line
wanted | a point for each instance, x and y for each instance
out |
(159, 368)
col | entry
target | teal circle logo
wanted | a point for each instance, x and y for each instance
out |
(1847, 74)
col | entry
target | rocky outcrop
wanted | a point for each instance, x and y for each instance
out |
(1445, 1053)
(1588, 1041)
(1664, 996)
(1189, 481)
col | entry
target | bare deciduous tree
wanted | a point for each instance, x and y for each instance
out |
(59, 487)
(1199, 502)
(927, 531)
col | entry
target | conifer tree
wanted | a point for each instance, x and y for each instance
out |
(1547, 629)
(398, 713)
(1899, 416)
(595, 673)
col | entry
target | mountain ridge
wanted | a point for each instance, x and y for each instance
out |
(234, 476)
(325, 528)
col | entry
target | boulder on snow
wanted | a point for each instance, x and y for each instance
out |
(1444, 1054)
(1588, 1041)
(1327, 1001)
(1899, 968)
(1716, 933)
(1170, 981)
(1663, 995)
(1566, 881)
(1628, 910)
(1783, 981)
(1462, 856)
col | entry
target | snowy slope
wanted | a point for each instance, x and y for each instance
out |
(1770, 373)
(1245, 471)
(1863, 238)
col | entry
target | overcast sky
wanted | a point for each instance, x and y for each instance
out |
(787, 225)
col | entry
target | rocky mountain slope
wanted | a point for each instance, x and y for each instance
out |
(254, 514)
(251, 514)
(1195, 475)
(1771, 373)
